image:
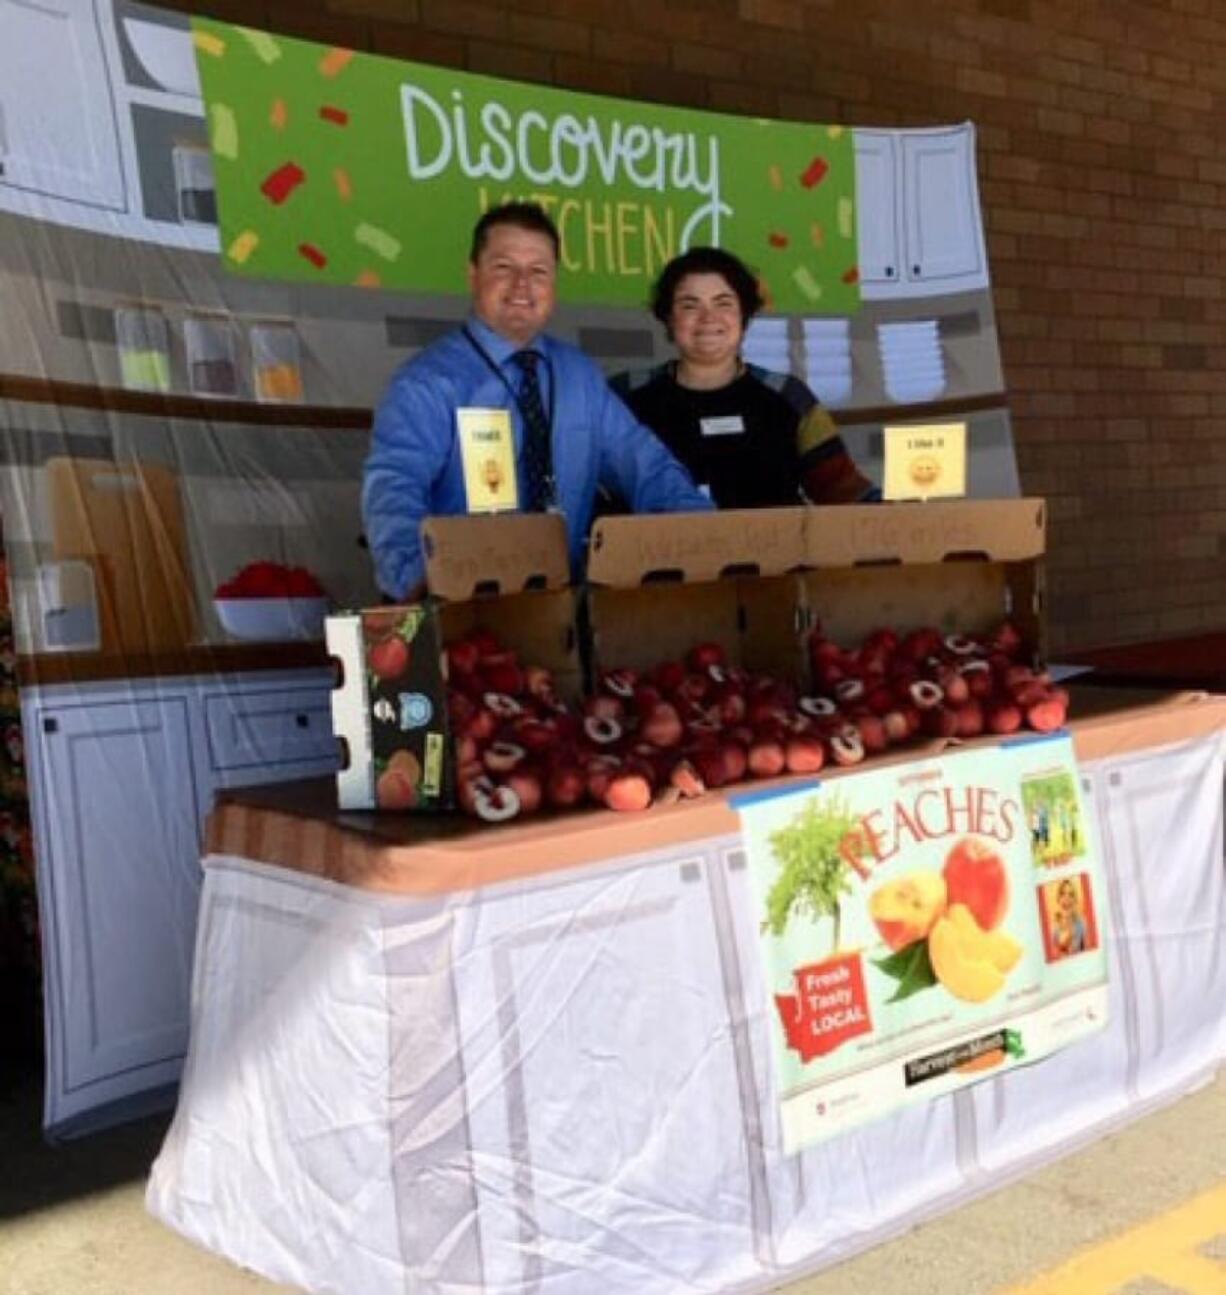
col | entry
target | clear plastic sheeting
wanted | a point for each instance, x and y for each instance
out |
(562, 1084)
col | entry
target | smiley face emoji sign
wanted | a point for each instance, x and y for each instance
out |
(925, 472)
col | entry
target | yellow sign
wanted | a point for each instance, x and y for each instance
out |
(925, 462)
(488, 452)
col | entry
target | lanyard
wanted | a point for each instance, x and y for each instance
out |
(496, 370)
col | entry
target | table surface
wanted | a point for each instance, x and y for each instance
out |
(299, 826)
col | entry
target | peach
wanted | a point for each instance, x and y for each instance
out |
(628, 792)
(971, 963)
(975, 875)
(906, 909)
(395, 790)
(999, 947)
(663, 727)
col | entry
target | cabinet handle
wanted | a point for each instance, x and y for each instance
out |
(889, 271)
(303, 721)
(51, 725)
(915, 270)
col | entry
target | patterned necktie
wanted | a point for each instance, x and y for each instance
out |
(536, 433)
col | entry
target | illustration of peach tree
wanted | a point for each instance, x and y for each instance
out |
(813, 852)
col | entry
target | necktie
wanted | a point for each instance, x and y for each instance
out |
(537, 453)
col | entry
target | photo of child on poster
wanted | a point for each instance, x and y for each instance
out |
(1069, 925)
(1053, 817)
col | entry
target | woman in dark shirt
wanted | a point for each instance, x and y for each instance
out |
(752, 438)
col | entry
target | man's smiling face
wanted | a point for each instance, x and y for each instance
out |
(514, 282)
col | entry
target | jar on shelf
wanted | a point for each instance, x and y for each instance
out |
(194, 184)
(144, 348)
(276, 366)
(211, 366)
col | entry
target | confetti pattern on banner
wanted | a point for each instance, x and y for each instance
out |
(241, 247)
(368, 279)
(278, 116)
(344, 185)
(266, 48)
(817, 235)
(337, 116)
(278, 186)
(223, 130)
(208, 44)
(777, 239)
(803, 278)
(309, 252)
(852, 275)
(334, 62)
(815, 172)
(379, 241)
(847, 227)
(775, 176)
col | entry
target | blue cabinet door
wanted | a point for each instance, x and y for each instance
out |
(119, 882)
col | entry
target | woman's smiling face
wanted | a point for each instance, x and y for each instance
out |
(705, 320)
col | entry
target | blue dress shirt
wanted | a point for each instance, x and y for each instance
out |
(414, 468)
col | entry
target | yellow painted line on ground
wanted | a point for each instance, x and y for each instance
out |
(1163, 1249)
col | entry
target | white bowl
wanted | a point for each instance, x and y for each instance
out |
(272, 620)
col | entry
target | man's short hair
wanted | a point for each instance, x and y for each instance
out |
(523, 215)
(707, 260)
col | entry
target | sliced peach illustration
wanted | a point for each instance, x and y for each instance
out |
(961, 958)
(905, 909)
(1000, 949)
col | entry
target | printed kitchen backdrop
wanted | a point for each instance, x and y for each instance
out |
(216, 246)
(922, 927)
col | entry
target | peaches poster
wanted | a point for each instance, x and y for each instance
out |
(923, 927)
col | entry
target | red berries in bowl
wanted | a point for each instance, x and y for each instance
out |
(270, 602)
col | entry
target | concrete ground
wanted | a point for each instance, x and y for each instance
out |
(72, 1219)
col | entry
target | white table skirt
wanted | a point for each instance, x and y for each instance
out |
(561, 1085)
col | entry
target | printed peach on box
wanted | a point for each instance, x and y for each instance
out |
(907, 924)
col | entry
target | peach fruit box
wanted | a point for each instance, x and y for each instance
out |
(758, 582)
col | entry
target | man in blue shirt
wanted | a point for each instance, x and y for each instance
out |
(572, 434)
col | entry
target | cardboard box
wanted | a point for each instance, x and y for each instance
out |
(507, 574)
(961, 566)
(758, 581)
(662, 583)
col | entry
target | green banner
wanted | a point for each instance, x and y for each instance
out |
(342, 167)
(924, 926)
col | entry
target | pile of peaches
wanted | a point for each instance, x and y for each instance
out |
(685, 726)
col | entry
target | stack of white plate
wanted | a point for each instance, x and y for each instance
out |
(766, 343)
(912, 360)
(828, 359)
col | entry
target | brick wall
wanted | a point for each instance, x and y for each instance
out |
(1102, 165)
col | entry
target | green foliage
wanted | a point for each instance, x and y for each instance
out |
(814, 874)
(911, 967)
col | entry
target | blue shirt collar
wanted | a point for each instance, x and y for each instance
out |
(496, 346)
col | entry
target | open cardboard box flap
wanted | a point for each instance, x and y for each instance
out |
(693, 548)
(957, 565)
(999, 530)
(467, 557)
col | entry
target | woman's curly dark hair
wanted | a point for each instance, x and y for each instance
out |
(707, 260)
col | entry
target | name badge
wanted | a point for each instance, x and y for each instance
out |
(488, 455)
(728, 425)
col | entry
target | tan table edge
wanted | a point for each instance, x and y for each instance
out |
(324, 847)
